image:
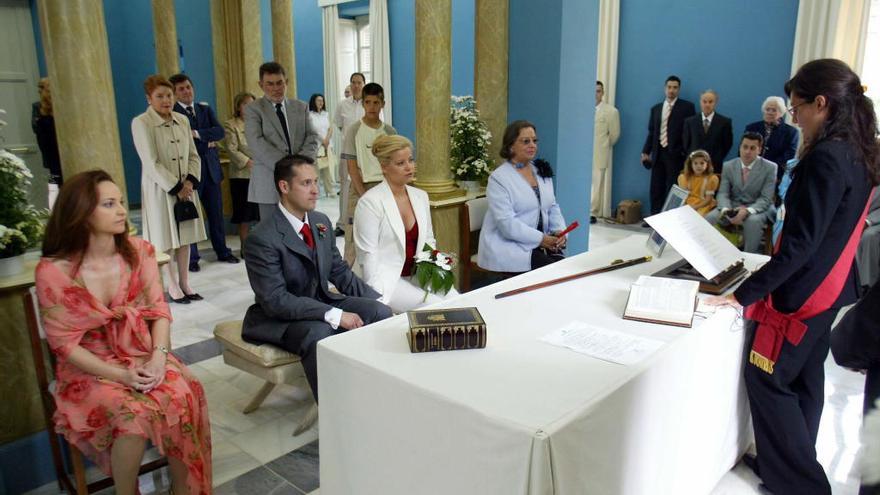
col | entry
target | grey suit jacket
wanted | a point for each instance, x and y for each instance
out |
(290, 281)
(758, 191)
(265, 137)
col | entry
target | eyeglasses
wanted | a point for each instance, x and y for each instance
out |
(793, 109)
(528, 141)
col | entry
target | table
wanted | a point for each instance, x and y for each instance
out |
(525, 417)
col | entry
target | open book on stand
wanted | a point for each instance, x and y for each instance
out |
(709, 258)
(660, 300)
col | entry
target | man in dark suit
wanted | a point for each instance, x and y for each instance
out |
(207, 132)
(290, 258)
(663, 153)
(709, 130)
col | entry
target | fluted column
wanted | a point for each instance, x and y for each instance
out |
(165, 35)
(433, 81)
(490, 67)
(78, 61)
(282, 41)
(238, 51)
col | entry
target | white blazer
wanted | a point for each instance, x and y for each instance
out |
(380, 236)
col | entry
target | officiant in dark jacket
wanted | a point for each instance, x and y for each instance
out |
(709, 130)
(290, 258)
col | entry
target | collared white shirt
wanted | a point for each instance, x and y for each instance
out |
(708, 117)
(334, 315)
(667, 103)
(348, 111)
(187, 106)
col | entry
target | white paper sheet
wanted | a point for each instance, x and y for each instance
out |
(696, 240)
(607, 345)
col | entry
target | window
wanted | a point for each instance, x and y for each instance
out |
(353, 46)
(871, 66)
(363, 29)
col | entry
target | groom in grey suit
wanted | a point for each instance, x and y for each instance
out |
(275, 126)
(745, 196)
(290, 258)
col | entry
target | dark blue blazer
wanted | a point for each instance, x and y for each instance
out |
(828, 192)
(781, 147)
(210, 130)
(674, 129)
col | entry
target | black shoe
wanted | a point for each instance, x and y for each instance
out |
(229, 258)
(339, 232)
(193, 297)
(182, 300)
(194, 267)
(593, 219)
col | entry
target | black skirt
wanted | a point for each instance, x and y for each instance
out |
(243, 211)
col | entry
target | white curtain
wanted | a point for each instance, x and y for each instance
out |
(609, 27)
(380, 51)
(332, 93)
(831, 28)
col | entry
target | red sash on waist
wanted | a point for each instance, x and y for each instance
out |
(774, 326)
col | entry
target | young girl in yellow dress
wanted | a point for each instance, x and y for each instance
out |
(700, 181)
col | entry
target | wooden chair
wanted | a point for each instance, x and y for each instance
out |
(471, 222)
(44, 362)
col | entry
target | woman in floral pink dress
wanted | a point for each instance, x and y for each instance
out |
(117, 386)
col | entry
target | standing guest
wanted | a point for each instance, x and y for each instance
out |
(780, 139)
(663, 153)
(275, 126)
(810, 276)
(745, 196)
(170, 172)
(348, 111)
(321, 122)
(347, 92)
(43, 125)
(241, 160)
(117, 385)
(607, 131)
(699, 179)
(364, 171)
(520, 229)
(709, 130)
(207, 133)
(392, 223)
(290, 259)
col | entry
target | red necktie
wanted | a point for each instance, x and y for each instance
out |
(307, 236)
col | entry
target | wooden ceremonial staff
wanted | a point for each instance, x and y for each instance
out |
(615, 265)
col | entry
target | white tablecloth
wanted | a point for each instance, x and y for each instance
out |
(525, 417)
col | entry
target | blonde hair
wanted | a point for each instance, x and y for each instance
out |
(45, 96)
(385, 146)
(689, 163)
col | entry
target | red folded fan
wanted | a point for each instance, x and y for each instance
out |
(568, 229)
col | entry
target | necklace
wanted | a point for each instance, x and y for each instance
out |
(519, 166)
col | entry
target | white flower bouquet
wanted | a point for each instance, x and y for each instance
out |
(469, 140)
(21, 225)
(433, 271)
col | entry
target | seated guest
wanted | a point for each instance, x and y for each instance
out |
(106, 320)
(392, 223)
(290, 258)
(241, 160)
(745, 196)
(709, 130)
(868, 254)
(700, 181)
(780, 139)
(519, 230)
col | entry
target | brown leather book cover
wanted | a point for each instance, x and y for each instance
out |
(447, 329)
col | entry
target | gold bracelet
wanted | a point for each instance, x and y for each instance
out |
(161, 348)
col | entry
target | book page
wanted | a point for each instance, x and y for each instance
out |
(607, 345)
(696, 240)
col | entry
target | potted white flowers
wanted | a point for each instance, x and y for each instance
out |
(433, 271)
(469, 143)
(21, 225)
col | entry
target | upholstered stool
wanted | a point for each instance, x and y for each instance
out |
(265, 361)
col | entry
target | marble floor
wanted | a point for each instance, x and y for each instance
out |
(256, 453)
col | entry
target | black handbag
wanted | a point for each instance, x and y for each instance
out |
(185, 210)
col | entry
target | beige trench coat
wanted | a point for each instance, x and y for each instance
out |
(168, 154)
(237, 149)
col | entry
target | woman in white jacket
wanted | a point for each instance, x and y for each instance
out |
(392, 222)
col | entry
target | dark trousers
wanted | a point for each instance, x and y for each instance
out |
(786, 407)
(301, 337)
(664, 174)
(212, 202)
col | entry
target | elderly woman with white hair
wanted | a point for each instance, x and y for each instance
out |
(780, 139)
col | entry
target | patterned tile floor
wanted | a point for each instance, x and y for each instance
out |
(256, 453)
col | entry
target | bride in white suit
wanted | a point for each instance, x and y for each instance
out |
(392, 222)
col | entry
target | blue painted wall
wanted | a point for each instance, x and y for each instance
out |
(546, 87)
(741, 49)
(308, 45)
(38, 39)
(463, 18)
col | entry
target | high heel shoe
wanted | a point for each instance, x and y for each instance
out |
(193, 297)
(182, 300)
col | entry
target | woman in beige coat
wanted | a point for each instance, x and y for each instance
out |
(241, 162)
(170, 172)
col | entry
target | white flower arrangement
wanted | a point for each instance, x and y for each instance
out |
(21, 225)
(469, 140)
(433, 270)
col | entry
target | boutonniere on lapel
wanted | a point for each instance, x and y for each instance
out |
(322, 229)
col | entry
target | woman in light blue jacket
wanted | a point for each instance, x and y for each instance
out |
(519, 230)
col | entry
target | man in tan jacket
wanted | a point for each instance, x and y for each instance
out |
(606, 133)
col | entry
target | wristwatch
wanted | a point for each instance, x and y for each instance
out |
(161, 348)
